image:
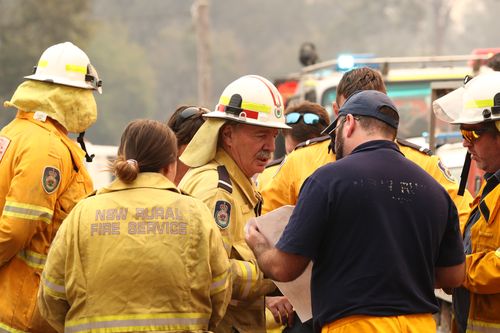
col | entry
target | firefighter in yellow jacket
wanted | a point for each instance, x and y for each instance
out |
(476, 108)
(42, 175)
(307, 120)
(235, 142)
(138, 256)
(284, 188)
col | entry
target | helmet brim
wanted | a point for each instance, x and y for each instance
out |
(244, 120)
(62, 81)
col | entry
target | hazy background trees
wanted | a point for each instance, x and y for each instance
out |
(145, 51)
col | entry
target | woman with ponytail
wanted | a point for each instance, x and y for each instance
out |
(138, 255)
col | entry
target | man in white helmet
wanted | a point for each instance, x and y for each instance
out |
(476, 108)
(42, 175)
(236, 142)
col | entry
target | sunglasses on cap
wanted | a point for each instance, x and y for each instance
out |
(308, 118)
(472, 135)
(186, 114)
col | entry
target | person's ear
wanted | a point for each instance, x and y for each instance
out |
(350, 125)
(227, 135)
(335, 108)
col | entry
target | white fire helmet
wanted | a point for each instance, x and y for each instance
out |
(68, 65)
(476, 102)
(252, 100)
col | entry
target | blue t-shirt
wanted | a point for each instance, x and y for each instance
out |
(375, 225)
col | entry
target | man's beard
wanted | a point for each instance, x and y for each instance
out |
(339, 143)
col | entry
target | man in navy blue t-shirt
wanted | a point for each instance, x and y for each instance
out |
(381, 232)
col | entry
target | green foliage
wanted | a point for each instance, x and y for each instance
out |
(128, 83)
(145, 51)
(27, 28)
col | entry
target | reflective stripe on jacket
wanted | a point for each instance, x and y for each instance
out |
(246, 310)
(483, 266)
(43, 177)
(137, 257)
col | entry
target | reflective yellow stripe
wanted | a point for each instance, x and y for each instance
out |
(68, 67)
(479, 103)
(482, 327)
(246, 272)
(76, 68)
(28, 212)
(32, 259)
(497, 252)
(140, 322)
(43, 63)
(224, 100)
(53, 286)
(219, 283)
(7, 329)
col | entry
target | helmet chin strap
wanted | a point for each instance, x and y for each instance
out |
(464, 175)
(88, 157)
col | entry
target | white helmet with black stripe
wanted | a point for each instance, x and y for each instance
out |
(68, 65)
(252, 100)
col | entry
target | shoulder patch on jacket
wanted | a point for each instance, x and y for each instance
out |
(312, 141)
(222, 213)
(276, 161)
(224, 179)
(412, 145)
(51, 179)
(445, 171)
(4, 143)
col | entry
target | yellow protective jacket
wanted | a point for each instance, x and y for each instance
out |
(483, 265)
(283, 188)
(233, 203)
(42, 178)
(269, 172)
(136, 257)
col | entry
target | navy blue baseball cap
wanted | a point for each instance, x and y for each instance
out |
(366, 103)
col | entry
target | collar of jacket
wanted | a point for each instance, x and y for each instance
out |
(77, 153)
(144, 180)
(237, 176)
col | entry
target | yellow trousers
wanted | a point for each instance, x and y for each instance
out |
(418, 323)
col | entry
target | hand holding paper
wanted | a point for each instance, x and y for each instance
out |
(260, 233)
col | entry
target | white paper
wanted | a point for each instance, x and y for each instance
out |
(298, 291)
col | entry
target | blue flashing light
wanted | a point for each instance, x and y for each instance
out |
(345, 62)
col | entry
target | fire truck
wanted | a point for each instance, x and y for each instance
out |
(412, 83)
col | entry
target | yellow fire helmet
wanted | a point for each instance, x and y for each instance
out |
(476, 102)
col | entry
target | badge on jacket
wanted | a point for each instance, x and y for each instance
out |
(446, 173)
(4, 143)
(222, 213)
(51, 179)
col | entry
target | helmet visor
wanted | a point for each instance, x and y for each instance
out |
(449, 107)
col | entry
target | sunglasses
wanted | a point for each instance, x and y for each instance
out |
(308, 118)
(186, 114)
(472, 135)
(343, 120)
